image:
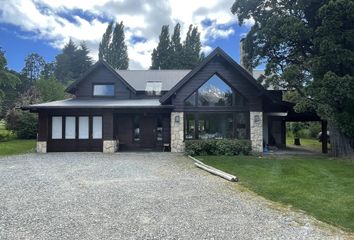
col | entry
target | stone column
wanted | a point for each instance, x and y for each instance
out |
(41, 147)
(256, 129)
(110, 146)
(177, 134)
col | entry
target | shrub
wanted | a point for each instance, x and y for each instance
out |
(218, 147)
(23, 124)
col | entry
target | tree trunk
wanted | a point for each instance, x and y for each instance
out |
(341, 145)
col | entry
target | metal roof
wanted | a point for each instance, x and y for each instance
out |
(138, 78)
(99, 103)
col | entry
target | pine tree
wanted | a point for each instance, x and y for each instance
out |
(161, 54)
(82, 59)
(103, 50)
(64, 63)
(118, 49)
(72, 63)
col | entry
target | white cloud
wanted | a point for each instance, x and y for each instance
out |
(45, 19)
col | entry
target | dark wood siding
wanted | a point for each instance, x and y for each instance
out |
(102, 76)
(230, 75)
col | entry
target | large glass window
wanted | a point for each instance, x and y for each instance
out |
(97, 127)
(57, 128)
(83, 127)
(215, 126)
(204, 125)
(70, 127)
(215, 92)
(104, 90)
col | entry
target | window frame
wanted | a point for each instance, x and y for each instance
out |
(233, 103)
(104, 84)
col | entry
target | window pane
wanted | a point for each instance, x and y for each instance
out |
(103, 90)
(83, 127)
(190, 101)
(97, 127)
(159, 132)
(136, 133)
(215, 92)
(153, 88)
(57, 128)
(70, 127)
(190, 126)
(215, 126)
(241, 125)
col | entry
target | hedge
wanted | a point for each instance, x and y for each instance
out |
(218, 147)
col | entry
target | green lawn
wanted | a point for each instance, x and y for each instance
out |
(321, 186)
(311, 144)
(17, 146)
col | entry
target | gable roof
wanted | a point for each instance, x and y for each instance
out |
(138, 78)
(99, 63)
(216, 52)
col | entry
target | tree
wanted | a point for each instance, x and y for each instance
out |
(48, 70)
(118, 49)
(308, 46)
(64, 63)
(176, 48)
(8, 82)
(34, 66)
(191, 48)
(103, 49)
(50, 89)
(161, 55)
(72, 63)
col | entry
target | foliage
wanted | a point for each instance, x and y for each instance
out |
(72, 63)
(23, 124)
(308, 46)
(320, 186)
(17, 146)
(34, 66)
(8, 80)
(112, 48)
(50, 89)
(218, 147)
(170, 53)
(5, 135)
(161, 55)
(104, 49)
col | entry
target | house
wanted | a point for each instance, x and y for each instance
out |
(154, 109)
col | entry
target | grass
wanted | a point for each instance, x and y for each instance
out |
(9, 145)
(307, 143)
(320, 186)
(17, 146)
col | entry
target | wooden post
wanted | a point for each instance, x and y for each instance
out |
(324, 138)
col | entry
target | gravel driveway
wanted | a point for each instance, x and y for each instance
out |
(135, 196)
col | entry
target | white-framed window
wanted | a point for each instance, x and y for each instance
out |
(70, 127)
(97, 127)
(57, 127)
(83, 127)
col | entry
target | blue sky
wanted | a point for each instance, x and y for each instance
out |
(44, 26)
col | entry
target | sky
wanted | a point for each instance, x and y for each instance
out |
(45, 26)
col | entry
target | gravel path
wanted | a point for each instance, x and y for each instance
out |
(135, 196)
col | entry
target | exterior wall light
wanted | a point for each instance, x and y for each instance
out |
(177, 119)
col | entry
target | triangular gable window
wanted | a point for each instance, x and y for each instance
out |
(215, 92)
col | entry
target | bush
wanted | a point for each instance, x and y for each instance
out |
(218, 147)
(23, 124)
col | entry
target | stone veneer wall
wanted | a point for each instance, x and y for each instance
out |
(110, 146)
(41, 147)
(256, 128)
(177, 134)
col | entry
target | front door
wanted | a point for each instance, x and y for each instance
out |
(148, 132)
